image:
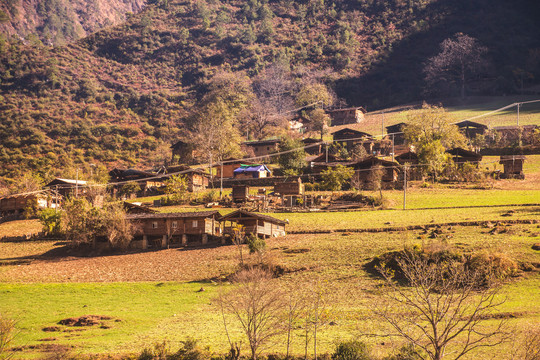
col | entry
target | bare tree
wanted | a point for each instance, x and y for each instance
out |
(442, 309)
(256, 303)
(294, 308)
(461, 57)
(7, 331)
(316, 314)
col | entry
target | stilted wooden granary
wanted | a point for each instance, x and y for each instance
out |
(162, 229)
(252, 223)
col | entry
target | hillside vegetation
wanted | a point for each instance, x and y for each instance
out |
(122, 95)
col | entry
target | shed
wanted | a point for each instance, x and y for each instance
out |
(352, 115)
(240, 193)
(162, 229)
(228, 168)
(252, 171)
(513, 166)
(257, 224)
(461, 156)
(471, 129)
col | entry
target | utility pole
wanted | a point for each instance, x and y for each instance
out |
(221, 182)
(405, 187)
(393, 148)
(326, 148)
(382, 125)
(518, 104)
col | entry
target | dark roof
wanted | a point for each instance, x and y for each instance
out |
(246, 214)
(349, 130)
(66, 182)
(409, 155)
(468, 123)
(262, 142)
(184, 169)
(464, 153)
(393, 128)
(129, 174)
(510, 158)
(372, 161)
(347, 109)
(137, 209)
(311, 141)
(194, 214)
(178, 144)
(322, 158)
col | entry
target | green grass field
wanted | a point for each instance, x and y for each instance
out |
(154, 311)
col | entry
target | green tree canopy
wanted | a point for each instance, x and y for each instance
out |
(292, 163)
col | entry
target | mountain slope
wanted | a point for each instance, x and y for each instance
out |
(122, 95)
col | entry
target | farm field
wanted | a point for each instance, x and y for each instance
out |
(529, 113)
(155, 294)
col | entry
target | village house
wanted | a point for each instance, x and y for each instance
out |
(410, 158)
(228, 168)
(160, 230)
(513, 166)
(182, 152)
(364, 171)
(197, 179)
(255, 171)
(471, 129)
(353, 115)
(349, 138)
(252, 223)
(299, 123)
(395, 132)
(263, 148)
(508, 136)
(145, 179)
(14, 205)
(66, 187)
(315, 146)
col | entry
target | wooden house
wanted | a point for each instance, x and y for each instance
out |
(252, 223)
(289, 187)
(471, 129)
(182, 152)
(145, 179)
(461, 156)
(364, 171)
(228, 168)
(197, 179)
(353, 115)
(349, 138)
(163, 229)
(315, 146)
(263, 147)
(17, 204)
(410, 158)
(513, 135)
(67, 187)
(395, 132)
(299, 123)
(513, 166)
(255, 171)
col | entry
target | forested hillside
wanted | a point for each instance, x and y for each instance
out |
(124, 94)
